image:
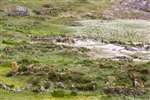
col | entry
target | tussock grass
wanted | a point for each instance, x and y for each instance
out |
(124, 31)
(48, 24)
(16, 45)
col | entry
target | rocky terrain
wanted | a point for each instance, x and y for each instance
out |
(132, 9)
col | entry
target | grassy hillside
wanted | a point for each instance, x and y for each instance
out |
(48, 16)
(116, 31)
(48, 67)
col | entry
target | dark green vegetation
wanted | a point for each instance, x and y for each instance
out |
(48, 70)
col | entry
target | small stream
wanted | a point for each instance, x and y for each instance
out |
(112, 51)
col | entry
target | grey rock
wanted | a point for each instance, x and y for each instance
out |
(124, 58)
(132, 9)
(125, 91)
(132, 49)
(10, 88)
(147, 47)
(18, 11)
(42, 88)
(60, 85)
(18, 90)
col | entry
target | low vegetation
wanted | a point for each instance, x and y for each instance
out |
(36, 63)
(117, 31)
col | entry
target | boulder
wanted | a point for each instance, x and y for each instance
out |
(18, 11)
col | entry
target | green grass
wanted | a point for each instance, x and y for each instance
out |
(16, 45)
(33, 96)
(63, 58)
(47, 24)
(98, 70)
(29, 25)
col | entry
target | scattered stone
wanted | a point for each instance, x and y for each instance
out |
(125, 91)
(10, 88)
(123, 58)
(86, 87)
(42, 88)
(49, 85)
(36, 89)
(65, 40)
(131, 49)
(60, 39)
(39, 89)
(48, 10)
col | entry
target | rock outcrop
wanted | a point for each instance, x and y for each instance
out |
(131, 9)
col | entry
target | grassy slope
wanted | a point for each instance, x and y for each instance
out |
(32, 96)
(14, 32)
(45, 25)
(62, 58)
(121, 31)
(49, 23)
